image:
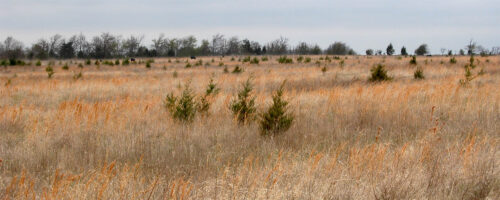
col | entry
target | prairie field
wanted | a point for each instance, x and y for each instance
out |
(108, 135)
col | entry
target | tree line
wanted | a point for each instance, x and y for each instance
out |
(107, 45)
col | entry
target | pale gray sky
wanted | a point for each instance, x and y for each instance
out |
(361, 24)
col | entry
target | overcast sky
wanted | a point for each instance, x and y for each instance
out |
(361, 24)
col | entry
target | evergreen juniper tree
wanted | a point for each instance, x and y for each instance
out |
(390, 49)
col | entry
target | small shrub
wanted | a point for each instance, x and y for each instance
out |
(188, 65)
(125, 62)
(254, 61)
(164, 67)
(175, 74)
(413, 60)
(300, 59)
(419, 74)
(80, 65)
(65, 67)
(453, 60)
(117, 62)
(226, 70)
(88, 62)
(328, 59)
(198, 63)
(181, 108)
(50, 71)
(378, 73)
(342, 63)
(232, 58)
(9, 82)
(237, 69)
(324, 69)
(96, 62)
(264, 59)
(243, 107)
(307, 60)
(205, 100)
(77, 76)
(277, 119)
(246, 59)
(469, 74)
(221, 64)
(284, 60)
(148, 65)
(38, 63)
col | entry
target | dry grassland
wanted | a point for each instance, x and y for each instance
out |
(107, 135)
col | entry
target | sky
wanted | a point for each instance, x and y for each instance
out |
(362, 24)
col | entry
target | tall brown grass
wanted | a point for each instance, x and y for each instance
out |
(107, 135)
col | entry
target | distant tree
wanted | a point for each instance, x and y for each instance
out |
(218, 45)
(403, 51)
(495, 50)
(130, 46)
(143, 51)
(67, 51)
(443, 51)
(369, 52)
(483, 51)
(278, 46)
(187, 46)
(378, 52)
(302, 48)
(246, 47)
(421, 50)
(461, 52)
(41, 49)
(450, 53)
(173, 46)
(12, 49)
(105, 46)
(55, 43)
(390, 50)
(233, 46)
(80, 45)
(204, 48)
(339, 48)
(160, 45)
(471, 48)
(316, 50)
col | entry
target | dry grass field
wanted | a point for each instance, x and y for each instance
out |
(107, 135)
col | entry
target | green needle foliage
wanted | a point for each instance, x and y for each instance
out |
(237, 69)
(277, 119)
(182, 108)
(453, 60)
(205, 101)
(50, 71)
(243, 106)
(413, 60)
(469, 72)
(378, 73)
(419, 74)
